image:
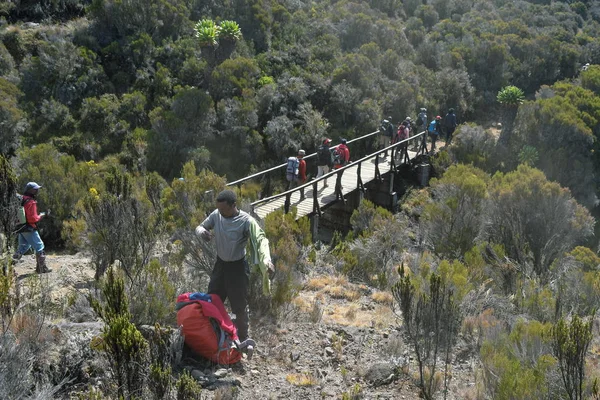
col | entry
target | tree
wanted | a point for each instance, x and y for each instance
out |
(12, 119)
(570, 343)
(590, 79)
(561, 126)
(454, 218)
(431, 321)
(510, 97)
(535, 219)
(8, 201)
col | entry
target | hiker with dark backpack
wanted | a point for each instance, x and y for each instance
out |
(450, 125)
(28, 231)
(421, 125)
(230, 277)
(324, 160)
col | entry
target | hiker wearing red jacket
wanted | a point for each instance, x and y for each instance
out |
(301, 172)
(28, 232)
(342, 156)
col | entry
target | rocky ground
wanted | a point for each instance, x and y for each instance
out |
(339, 341)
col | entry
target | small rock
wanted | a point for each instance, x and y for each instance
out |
(254, 371)
(329, 351)
(221, 373)
(386, 334)
(197, 374)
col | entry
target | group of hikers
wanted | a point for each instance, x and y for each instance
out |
(329, 159)
(435, 128)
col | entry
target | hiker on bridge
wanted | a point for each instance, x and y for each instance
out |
(450, 125)
(301, 172)
(341, 155)
(296, 172)
(421, 125)
(386, 132)
(434, 130)
(28, 232)
(402, 134)
(230, 278)
(324, 160)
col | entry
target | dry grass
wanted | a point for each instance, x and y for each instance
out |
(320, 282)
(350, 315)
(341, 292)
(303, 379)
(383, 298)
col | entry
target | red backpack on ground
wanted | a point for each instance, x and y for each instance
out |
(207, 328)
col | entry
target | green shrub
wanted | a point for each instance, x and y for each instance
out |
(517, 366)
(124, 345)
(188, 388)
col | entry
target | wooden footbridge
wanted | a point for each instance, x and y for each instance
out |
(341, 182)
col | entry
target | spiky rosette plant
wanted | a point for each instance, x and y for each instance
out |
(230, 30)
(207, 32)
(510, 96)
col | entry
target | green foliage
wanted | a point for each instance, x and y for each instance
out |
(376, 244)
(64, 182)
(11, 117)
(287, 240)
(153, 296)
(186, 202)
(453, 219)
(567, 115)
(590, 79)
(367, 216)
(474, 145)
(587, 257)
(517, 366)
(115, 19)
(229, 30)
(207, 32)
(8, 200)
(123, 343)
(510, 96)
(528, 156)
(187, 387)
(557, 224)
(570, 341)
(121, 226)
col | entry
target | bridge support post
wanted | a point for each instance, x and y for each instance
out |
(314, 226)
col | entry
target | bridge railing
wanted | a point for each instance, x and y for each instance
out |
(308, 157)
(400, 147)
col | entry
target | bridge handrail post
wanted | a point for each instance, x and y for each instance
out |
(316, 208)
(338, 186)
(359, 183)
(288, 202)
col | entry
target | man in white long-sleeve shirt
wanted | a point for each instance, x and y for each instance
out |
(230, 277)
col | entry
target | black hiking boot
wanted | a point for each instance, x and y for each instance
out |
(40, 263)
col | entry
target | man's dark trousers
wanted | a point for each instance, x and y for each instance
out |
(231, 279)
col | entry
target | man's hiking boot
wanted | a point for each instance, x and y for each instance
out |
(16, 258)
(40, 263)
